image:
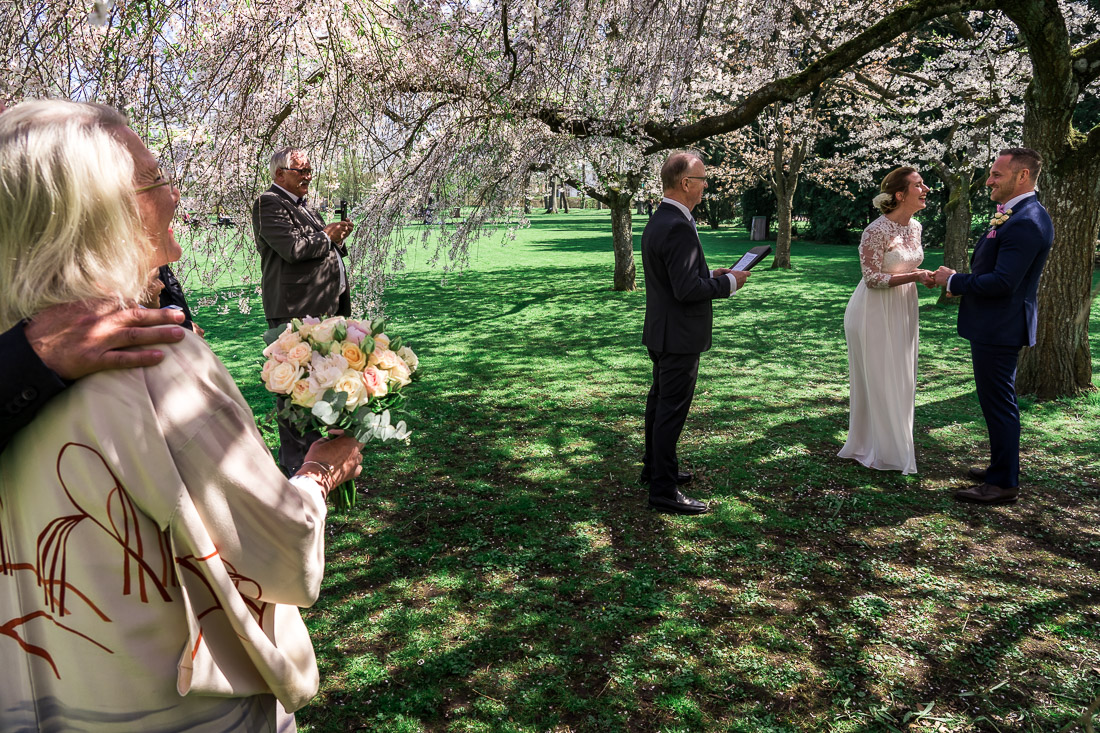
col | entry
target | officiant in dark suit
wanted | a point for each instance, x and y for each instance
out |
(677, 329)
(301, 261)
(998, 313)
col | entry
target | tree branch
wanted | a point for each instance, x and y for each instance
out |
(797, 85)
(1086, 63)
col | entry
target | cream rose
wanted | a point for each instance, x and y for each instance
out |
(352, 382)
(323, 331)
(299, 354)
(357, 360)
(400, 373)
(383, 359)
(381, 341)
(308, 324)
(409, 358)
(281, 379)
(374, 381)
(265, 372)
(305, 393)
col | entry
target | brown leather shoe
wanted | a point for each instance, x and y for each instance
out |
(978, 474)
(988, 494)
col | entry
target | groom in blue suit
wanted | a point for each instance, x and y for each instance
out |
(998, 313)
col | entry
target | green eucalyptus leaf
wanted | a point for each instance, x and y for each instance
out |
(324, 412)
(271, 335)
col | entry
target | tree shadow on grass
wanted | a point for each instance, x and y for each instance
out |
(503, 571)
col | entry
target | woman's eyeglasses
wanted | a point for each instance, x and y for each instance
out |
(163, 179)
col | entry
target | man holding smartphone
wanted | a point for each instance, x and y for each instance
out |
(678, 321)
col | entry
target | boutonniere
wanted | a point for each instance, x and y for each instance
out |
(999, 218)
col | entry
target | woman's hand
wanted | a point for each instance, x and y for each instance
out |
(926, 278)
(332, 461)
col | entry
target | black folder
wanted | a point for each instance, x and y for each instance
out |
(750, 259)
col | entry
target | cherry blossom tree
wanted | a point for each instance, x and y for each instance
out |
(459, 101)
(945, 104)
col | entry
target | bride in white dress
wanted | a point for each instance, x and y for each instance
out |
(880, 325)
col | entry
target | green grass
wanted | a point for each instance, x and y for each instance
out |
(502, 572)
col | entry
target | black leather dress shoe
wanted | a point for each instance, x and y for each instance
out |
(683, 477)
(678, 504)
(988, 494)
(978, 474)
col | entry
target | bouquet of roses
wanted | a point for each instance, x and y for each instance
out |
(340, 373)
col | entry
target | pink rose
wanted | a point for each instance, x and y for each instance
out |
(383, 358)
(300, 354)
(374, 381)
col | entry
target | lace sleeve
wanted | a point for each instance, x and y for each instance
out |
(872, 248)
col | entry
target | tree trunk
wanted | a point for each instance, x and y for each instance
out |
(623, 241)
(553, 207)
(959, 215)
(784, 200)
(1060, 363)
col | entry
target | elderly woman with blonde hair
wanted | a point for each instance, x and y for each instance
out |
(152, 556)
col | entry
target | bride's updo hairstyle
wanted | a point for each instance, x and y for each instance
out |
(895, 182)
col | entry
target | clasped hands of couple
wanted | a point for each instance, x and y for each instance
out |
(937, 279)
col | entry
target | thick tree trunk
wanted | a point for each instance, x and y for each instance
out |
(552, 208)
(564, 201)
(622, 238)
(1060, 363)
(784, 200)
(959, 215)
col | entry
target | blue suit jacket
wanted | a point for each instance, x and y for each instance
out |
(678, 285)
(999, 304)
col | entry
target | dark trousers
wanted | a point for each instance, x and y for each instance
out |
(292, 444)
(666, 409)
(995, 382)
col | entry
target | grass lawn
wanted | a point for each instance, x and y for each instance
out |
(503, 573)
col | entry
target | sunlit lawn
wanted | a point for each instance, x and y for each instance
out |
(503, 572)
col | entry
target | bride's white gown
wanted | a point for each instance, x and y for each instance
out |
(880, 325)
